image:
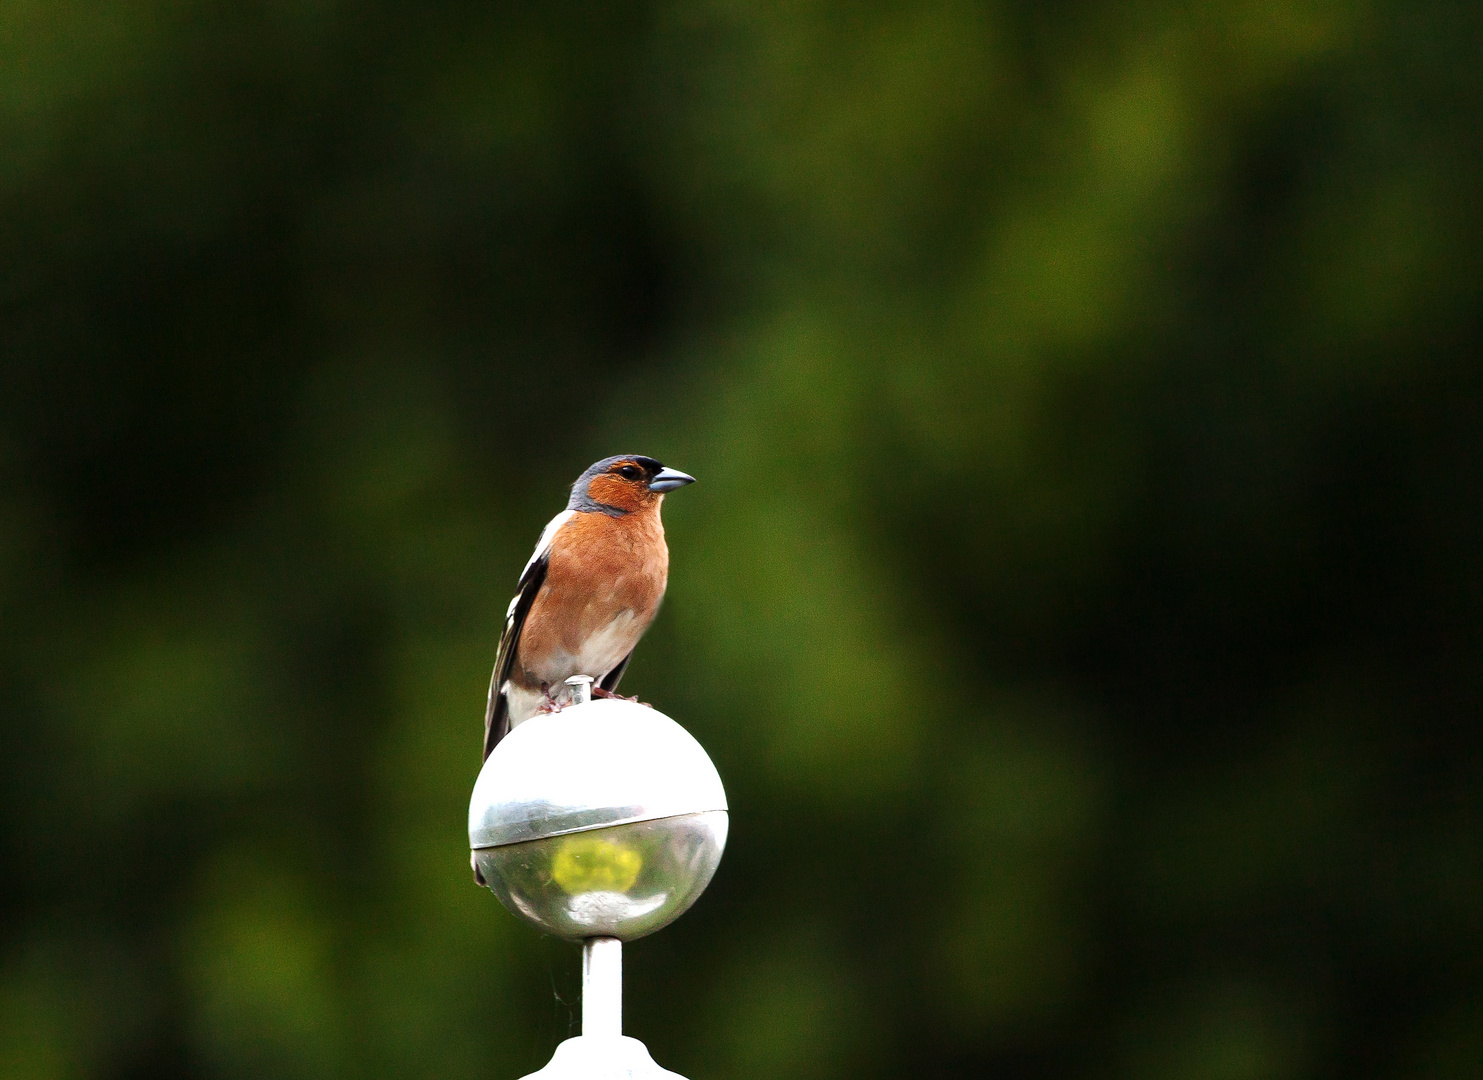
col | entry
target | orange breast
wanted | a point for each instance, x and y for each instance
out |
(606, 579)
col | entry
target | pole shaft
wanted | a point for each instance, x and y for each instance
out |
(602, 986)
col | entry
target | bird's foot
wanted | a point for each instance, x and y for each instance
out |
(550, 704)
(598, 691)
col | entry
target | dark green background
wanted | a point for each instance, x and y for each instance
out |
(1082, 597)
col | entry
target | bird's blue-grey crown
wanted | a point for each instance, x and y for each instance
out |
(657, 478)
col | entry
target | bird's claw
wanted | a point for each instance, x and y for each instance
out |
(598, 691)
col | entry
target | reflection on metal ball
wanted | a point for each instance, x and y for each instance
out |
(606, 819)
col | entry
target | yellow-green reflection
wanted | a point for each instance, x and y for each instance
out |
(585, 863)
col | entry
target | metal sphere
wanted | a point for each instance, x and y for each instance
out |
(604, 819)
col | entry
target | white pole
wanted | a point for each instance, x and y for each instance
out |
(602, 986)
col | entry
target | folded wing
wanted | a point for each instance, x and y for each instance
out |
(497, 712)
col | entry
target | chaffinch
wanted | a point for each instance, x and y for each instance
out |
(587, 594)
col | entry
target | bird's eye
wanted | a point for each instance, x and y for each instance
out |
(629, 472)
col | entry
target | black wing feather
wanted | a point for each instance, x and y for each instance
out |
(497, 712)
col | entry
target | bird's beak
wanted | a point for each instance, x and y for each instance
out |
(669, 479)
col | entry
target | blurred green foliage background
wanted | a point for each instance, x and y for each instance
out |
(1082, 599)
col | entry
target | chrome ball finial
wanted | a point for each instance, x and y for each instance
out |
(606, 819)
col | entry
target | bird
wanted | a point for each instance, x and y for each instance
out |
(588, 593)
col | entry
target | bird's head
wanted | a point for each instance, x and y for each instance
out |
(620, 485)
